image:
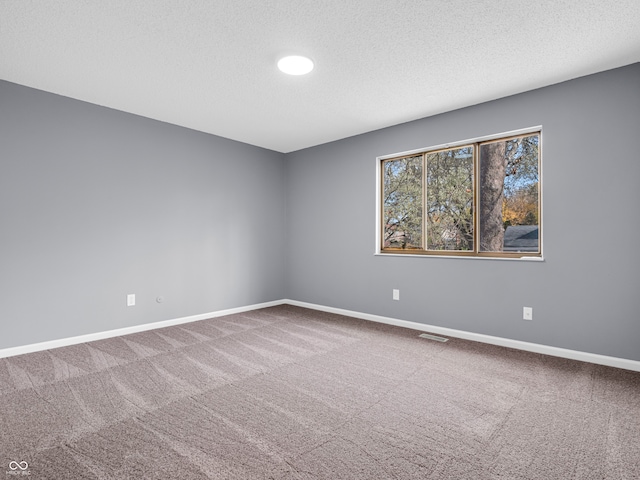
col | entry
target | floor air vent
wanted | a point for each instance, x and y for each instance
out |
(433, 337)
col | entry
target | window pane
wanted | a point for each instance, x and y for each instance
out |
(450, 199)
(402, 203)
(509, 189)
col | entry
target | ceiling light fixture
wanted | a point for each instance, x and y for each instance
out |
(295, 65)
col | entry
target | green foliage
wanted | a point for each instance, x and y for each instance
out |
(521, 163)
(402, 203)
(450, 199)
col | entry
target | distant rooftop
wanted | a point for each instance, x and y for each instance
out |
(521, 238)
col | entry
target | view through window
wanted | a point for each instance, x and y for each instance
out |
(477, 199)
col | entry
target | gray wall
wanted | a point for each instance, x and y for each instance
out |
(96, 204)
(585, 294)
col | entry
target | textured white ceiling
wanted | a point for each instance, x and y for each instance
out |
(210, 65)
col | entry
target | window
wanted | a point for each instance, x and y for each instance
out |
(477, 198)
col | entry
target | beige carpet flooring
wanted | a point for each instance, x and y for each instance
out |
(291, 393)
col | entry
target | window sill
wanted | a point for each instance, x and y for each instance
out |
(458, 257)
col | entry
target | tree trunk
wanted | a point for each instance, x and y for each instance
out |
(492, 173)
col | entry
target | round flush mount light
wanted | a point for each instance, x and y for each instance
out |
(295, 65)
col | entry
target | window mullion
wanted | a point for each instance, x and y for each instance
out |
(476, 193)
(424, 201)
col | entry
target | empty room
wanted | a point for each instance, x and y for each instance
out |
(319, 240)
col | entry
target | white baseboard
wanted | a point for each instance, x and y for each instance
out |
(64, 342)
(478, 337)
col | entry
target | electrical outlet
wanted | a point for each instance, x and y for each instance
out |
(396, 294)
(527, 313)
(131, 299)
